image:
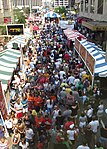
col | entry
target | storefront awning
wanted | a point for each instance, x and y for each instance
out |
(73, 34)
(20, 39)
(99, 56)
(95, 25)
(8, 62)
(93, 58)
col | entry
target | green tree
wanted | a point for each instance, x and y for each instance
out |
(27, 10)
(19, 16)
(60, 10)
(3, 30)
(21, 19)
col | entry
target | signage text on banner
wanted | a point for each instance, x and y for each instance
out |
(86, 56)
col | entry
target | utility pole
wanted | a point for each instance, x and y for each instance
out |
(23, 5)
(30, 8)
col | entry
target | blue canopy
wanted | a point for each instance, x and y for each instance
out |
(99, 56)
(51, 14)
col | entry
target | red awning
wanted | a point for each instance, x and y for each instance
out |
(80, 19)
(72, 34)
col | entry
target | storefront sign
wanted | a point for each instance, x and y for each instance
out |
(3, 108)
(15, 29)
(90, 62)
(86, 56)
(83, 52)
(77, 45)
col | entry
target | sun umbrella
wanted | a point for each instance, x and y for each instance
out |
(35, 28)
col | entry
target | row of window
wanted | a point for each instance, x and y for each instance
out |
(92, 6)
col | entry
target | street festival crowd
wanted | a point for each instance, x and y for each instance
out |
(50, 102)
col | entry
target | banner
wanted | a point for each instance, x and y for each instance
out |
(77, 45)
(3, 104)
(83, 52)
(86, 56)
(15, 29)
(90, 62)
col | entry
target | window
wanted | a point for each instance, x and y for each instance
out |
(92, 6)
(86, 5)
(100, 7)
(81, 5)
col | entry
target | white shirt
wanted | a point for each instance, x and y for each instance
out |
(71, 134)
(18, 107)
(82, 147)
(71, 80)
(55, 113)
(8, 123)
(62, 73)
(29, 133)
(57, 64)
(24, 146)
(76, 81)
(94, 125)
(90, 112)
(48, 104)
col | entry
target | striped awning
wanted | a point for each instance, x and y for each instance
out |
(72, 34)
(99, 56)
(8, 62)
(20, 39)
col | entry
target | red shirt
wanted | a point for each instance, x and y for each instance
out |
(40, 146)
(66, 57)
(47, 122)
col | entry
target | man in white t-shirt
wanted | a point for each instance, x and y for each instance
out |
(19, 109)
(71, 80)
(94, 127)
(94, 124)
(89, 113)
(61, 74)
(72, 134)
(29, 134)
(83, 146)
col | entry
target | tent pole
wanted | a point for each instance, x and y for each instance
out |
(92, 81)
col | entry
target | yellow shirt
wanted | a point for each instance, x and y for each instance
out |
(68, 90)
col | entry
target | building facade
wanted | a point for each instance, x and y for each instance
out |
(71, 3)
(1, 12)
(26, 3)
(5, 11)
(64, 3)
(94, 9)
(95, 13)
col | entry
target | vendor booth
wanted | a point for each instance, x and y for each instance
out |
(51, 16)
(94, 59)
(71, 35)
(20, 39)
(8, 62)
(65, 24)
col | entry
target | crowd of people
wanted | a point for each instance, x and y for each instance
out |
(50, 103)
